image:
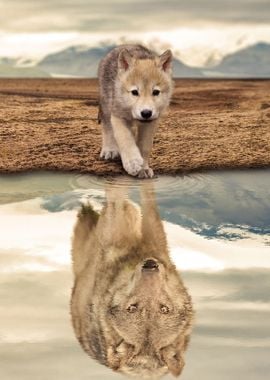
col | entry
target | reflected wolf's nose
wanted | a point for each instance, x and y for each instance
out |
(150, 265)
(146, 114)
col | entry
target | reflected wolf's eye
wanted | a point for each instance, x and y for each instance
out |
(132, 308)
(135, 92)
(156, 92)
(113, 310)
(164, 309)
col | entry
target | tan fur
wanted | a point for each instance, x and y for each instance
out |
(108, 256)
(125, 69)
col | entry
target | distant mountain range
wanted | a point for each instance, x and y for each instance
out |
(75, 61)
(81, 61)
(9, 71)
(253, 61)
(20, 68)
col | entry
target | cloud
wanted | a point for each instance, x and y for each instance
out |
(37, 336)
(120, 15)
(198, 31)
(231, 286)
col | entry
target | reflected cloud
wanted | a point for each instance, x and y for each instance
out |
(130, 308)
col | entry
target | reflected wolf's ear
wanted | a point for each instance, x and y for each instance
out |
(125, 60)
(118, 355)
(165, 60)
(173, 359)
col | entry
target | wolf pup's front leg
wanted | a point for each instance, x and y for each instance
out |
(130, 154)
(145, 138)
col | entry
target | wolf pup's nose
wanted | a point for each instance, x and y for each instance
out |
(150, 265)
(146, 114)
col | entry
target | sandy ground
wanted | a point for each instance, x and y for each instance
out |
(52, 124)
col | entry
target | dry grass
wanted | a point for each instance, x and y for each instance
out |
(51, 124)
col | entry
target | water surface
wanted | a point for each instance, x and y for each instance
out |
(217, 227)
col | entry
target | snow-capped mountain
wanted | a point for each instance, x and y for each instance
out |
(82, 61)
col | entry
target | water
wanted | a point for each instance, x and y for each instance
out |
(217, 228)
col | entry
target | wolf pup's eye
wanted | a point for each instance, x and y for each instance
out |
(132, 308)
(164, 309)
(156, 92)
(135, 92)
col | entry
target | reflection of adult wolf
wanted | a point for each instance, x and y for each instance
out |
(135, 89)
(130, 309)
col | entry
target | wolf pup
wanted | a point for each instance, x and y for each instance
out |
(130, 308)
(135, 89)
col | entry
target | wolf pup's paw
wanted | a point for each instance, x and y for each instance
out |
(133, 166)
(146, 173)
(109, 153)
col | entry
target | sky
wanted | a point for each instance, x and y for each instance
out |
(196, 30)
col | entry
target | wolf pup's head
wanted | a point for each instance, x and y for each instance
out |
(144, 85)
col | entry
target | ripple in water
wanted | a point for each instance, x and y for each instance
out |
(165, 186)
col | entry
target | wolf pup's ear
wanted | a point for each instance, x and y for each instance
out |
(173, 360)
(165, 60)
(125, 60)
